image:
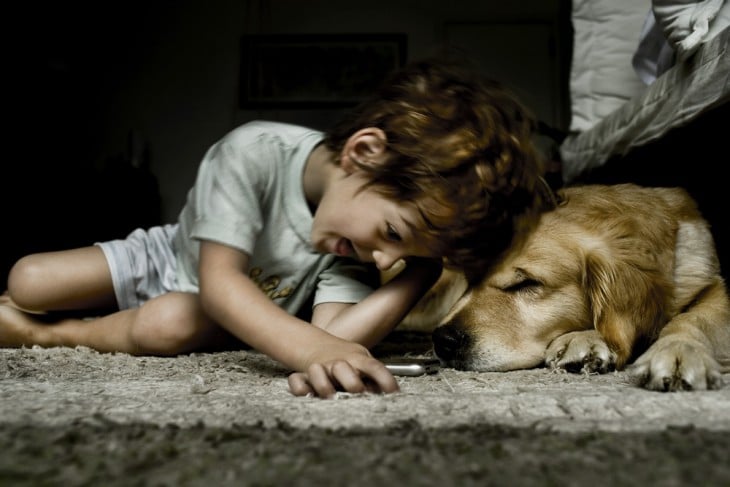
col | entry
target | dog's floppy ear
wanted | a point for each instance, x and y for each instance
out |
(626, 302)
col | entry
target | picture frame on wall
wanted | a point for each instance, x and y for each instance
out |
(315, 70)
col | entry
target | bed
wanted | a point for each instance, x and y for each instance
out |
(650, 86)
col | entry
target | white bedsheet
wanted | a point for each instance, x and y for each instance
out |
(685, 91)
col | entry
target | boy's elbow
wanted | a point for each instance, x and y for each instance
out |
(324, 315)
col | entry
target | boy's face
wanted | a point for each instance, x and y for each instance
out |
(365, 225)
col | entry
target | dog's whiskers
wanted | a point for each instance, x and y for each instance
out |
(446, 380)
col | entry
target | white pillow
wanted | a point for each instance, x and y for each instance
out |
(602, 78)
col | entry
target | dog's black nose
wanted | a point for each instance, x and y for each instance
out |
(450, 342)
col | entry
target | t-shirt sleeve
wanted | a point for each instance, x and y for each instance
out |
(345, 281)
(230, 190)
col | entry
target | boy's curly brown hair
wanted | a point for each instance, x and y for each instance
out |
(460, 148)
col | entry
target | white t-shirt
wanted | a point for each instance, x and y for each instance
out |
(248, 195)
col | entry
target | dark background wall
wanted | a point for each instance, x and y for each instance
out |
(113, 104)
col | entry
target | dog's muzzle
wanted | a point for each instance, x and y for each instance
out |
(450, 342)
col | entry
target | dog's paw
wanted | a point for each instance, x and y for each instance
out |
(580, 351)
(677, 365)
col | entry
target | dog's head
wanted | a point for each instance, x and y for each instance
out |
(580, 268)
(506, 320)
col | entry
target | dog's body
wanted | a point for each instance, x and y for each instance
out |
(610, 271)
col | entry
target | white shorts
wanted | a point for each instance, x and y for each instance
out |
(143, 265)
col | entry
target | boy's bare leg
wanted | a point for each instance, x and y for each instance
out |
(167, 325)
(80, 280)
(106, 334)
(76, 279)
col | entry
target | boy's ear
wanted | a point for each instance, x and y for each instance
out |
(367, 146)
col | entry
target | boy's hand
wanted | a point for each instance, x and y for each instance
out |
(352, 372)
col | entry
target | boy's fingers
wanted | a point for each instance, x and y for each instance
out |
(298, 384)
(370, 376)
(315, 381)
(347, 376)
(320, 381)
(378, 374)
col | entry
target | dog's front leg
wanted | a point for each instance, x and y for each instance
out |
(580, 351)
(684, 355)
(625, 302)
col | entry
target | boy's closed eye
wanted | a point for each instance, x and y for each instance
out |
(392, 233)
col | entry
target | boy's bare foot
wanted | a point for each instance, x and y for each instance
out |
(18, 328)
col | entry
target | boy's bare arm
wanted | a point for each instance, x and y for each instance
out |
(369, 321)
(236, 303)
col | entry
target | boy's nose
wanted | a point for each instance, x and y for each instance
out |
(384, 260)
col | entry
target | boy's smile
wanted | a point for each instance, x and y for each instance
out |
(355, 221)
(343, 248)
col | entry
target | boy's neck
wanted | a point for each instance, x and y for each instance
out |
(318, 173)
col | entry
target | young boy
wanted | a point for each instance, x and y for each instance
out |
(437, 167)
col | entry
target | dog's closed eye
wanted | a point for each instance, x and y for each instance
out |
(526, 284)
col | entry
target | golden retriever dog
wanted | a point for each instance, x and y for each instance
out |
(614, 275)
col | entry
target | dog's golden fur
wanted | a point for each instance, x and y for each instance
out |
(608, 272)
